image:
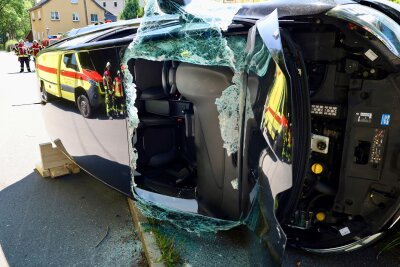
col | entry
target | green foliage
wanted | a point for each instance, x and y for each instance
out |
(9, 44)
(14, 18)
(169, 255)
(132, 10)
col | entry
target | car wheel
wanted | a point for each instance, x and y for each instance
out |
(84, 105)
(44, 96)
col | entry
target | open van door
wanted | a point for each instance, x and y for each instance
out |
(275, 135)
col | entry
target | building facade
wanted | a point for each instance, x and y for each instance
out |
(113, 6)
(53, 17)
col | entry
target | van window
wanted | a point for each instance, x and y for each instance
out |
(85, 60)
(70, 62)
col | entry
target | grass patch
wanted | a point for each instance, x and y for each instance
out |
(169, 254)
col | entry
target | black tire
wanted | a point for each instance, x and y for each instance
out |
(44, 96)
(84, 107)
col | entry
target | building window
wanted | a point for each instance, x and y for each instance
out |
(94, 18)
(115, 3)
(75, 16)
(33, 15)
(38, 15)
(104, 4)
(74, 1)
(55, 15)
(38, 36)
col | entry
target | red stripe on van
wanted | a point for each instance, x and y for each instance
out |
(47, 69)
(69, 74)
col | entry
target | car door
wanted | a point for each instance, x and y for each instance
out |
(274, 134)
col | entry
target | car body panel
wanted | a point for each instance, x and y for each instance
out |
(106, 148)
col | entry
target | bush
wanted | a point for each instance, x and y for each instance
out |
(10, 44)
(1, 47)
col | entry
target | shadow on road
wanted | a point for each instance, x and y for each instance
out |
(59, 222)
(25, 72)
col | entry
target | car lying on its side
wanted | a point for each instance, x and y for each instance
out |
(290, 112)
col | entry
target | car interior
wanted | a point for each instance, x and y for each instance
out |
(349, 191)
(350, 187)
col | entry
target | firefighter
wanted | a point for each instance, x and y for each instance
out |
(119, 96)
(23, 56)
(36, 47)
(109, 99)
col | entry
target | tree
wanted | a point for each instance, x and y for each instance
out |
(132, 10)
(14, 18)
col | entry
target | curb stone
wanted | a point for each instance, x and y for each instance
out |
(151, 250)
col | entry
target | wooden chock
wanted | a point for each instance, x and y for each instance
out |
(54, 162)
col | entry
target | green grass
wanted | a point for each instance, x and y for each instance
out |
(169, 254)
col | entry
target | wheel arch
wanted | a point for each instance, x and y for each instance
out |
(80, 91)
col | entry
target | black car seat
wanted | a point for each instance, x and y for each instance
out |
(156, 134)
(215, 170)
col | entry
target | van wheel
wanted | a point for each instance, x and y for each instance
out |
(84, 106)
(44, 96)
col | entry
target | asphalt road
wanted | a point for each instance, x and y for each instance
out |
(52, 222)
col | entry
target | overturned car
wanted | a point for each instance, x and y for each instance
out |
(281, 115)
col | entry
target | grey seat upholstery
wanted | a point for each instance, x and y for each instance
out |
(156, 134)
(148, 79)
(202, 85)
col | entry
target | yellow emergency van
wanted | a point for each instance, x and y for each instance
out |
(70, 75)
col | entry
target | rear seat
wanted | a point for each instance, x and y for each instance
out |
(156, 142)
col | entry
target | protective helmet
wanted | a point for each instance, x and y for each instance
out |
(35, 41)
(21, 41)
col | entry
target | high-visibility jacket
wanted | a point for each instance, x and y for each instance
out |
(35, 49)
(22, 51)
(117, 87)
(107, 80)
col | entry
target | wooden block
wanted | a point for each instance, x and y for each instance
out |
(43, 172)
(58, 171)
(73, 168)
(54, 162)
(61, 147)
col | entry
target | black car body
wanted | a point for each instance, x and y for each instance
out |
(298, 123)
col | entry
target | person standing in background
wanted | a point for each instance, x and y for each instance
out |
(23, 56)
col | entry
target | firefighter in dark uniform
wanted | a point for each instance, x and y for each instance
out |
(119, 96)
(23, 56)
(108, 86)
(36, 47)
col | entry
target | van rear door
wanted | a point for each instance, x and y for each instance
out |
(49, 71)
